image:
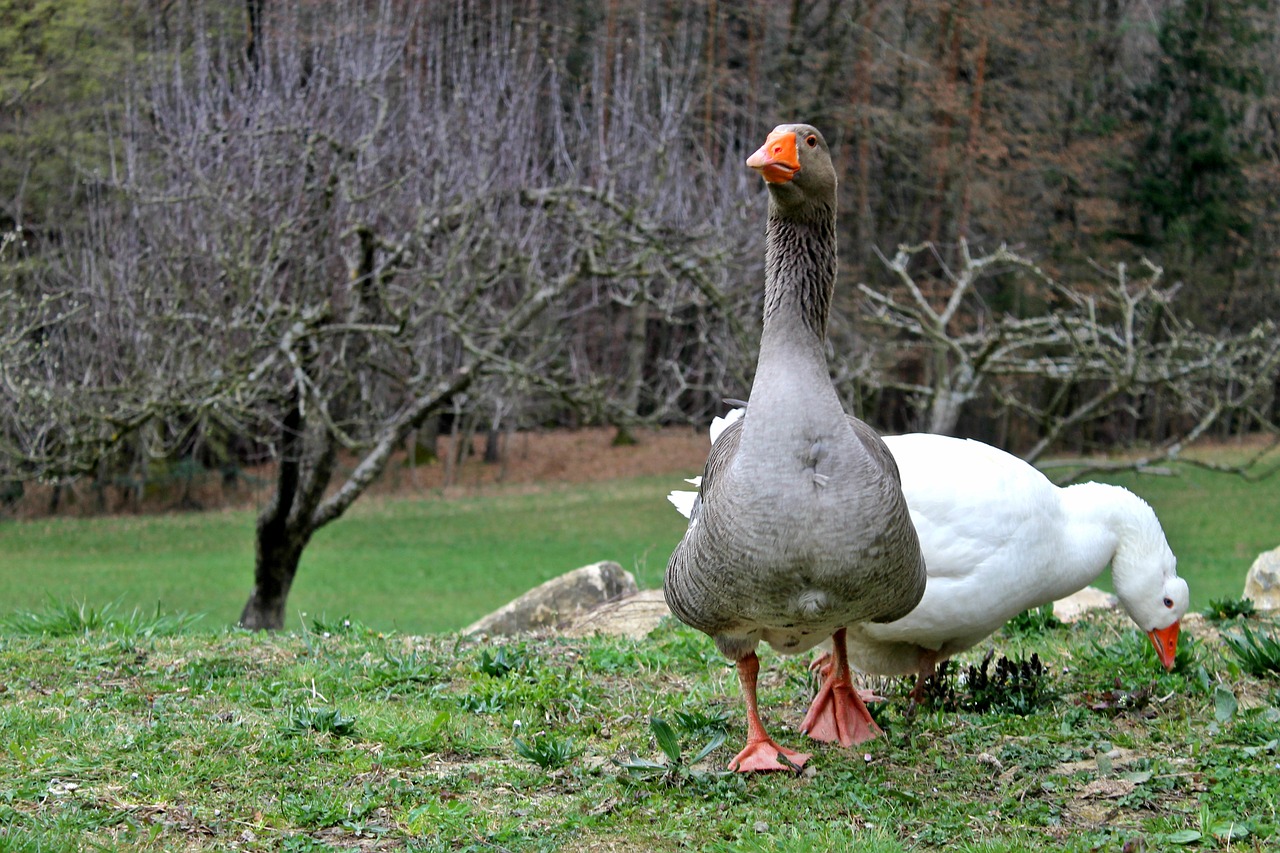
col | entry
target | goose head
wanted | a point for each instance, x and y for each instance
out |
(1155, 598)
(796, 164)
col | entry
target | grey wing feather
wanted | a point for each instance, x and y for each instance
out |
(686, 593)
(722, 453)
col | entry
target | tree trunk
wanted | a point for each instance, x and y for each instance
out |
(862, 107)
(708, 106)
(633, 378)
(278, 553)
(280, 535)
(948, 53)
(975, 121)
(944, 413)
(493, 445)
(253, 32)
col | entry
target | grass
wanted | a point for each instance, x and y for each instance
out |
(140, 732)
(407, 565)
(1258, 654)
(419, 566)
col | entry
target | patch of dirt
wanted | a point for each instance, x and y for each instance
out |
(575, 456)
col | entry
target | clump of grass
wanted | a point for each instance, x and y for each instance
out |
(304, 720)
(1013, 687)
(547, 751)
(700, 723)
(491, 698)
(1133, 651)
(1222, 609)
(399, 670)
(498, 665)
(342, 626)
(63, 619)
(678, 769)
(1259, 654)
(1033, 622)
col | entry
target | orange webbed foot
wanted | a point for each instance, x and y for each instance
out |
(763, 755)
(839, 715)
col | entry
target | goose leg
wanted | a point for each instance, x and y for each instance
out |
(822, 665)
(928, 668)
(761, 752)
(838, 712)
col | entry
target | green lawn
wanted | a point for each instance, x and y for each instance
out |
(409, 565)
(122, 731)
(134, 735)
(435, 565)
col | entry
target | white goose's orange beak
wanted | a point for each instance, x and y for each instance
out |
(1166, 642)
(777, 160)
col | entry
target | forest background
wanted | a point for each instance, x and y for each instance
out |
(315, 235)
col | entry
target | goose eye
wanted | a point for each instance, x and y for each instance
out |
(1168, 602)
(811, 141)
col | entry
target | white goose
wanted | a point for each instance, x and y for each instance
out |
(998, 538)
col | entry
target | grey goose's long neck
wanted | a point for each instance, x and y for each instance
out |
(800, 270)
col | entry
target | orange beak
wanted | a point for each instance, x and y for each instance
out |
(777, 160)
(1166, 642)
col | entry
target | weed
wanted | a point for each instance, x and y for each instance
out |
(1259, 654)
(327, 627)
(1133, 651)
(1032, 623)
(549, 753)
(1015, 687)
(1223, 609)
(499, 665)
(1224, 704)
(304, 720)
(701, 723)
(676, 770)
(491, 698)
(434, 735)
(397, 670)
(75, 619)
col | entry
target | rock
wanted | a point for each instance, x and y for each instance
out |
(637, 614)
(559, 600)
(1262, 583)
(633, 616)
(603, 599)
(1074, 606)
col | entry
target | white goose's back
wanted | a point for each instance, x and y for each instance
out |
(992, 528)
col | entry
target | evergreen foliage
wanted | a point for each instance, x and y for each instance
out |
(1190, 170)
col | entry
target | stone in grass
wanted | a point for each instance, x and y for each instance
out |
(1262, 583)
(631, 616)
(559, 600)
(1077, 604)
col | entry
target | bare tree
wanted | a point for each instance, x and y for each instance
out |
(322, 249)
(674, 336)
(1111, 348)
